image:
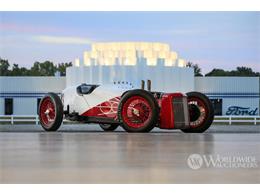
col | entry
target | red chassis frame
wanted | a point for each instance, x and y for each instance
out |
(108, 110)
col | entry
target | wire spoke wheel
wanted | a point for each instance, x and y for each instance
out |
(201, 113)
(198, 111)
(51, 112)
(136, 112)
(47, 112)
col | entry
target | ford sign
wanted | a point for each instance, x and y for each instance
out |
(236, 110)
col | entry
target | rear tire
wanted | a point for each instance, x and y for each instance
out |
(138, 111)
(109, 127)
(50, 112)
(201, 112)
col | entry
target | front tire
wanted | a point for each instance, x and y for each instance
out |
(109, 127)
(201, 112)
(50, 112)
(138, 111)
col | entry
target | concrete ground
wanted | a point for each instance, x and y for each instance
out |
(85, 154)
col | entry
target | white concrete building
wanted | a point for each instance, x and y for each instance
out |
(231, 95)
(21, 95)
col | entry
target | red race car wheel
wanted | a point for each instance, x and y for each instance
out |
(198, 111)
(138, 111)
(201, 113)
(51, 112)
(47, 112)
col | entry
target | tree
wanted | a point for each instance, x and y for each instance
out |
(4, 67)
(16, 71)
(197, 70)
(217, 72)
(62, 68)
(24, 72)
(244, 71)
(240, 71)
(46, 68)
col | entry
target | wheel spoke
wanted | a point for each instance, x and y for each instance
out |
(47, 111)
(198, 111)
(136, 112)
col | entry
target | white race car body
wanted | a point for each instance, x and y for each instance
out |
(102, 101)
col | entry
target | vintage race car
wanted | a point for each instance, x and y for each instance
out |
(136, 110)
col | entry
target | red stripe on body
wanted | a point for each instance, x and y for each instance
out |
(106, 109)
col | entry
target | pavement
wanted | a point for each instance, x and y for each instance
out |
(86, 154)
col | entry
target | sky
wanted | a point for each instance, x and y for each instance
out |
(211, 39)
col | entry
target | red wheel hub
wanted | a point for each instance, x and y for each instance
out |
(47, 112)
(136, 112)
(198, 111)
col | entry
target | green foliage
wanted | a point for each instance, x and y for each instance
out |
(46, 68)
(197, 70)
(217, 72)
(240, 71)
(4, 67)
(62, 68)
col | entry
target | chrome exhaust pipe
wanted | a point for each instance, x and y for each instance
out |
(142, 84)
(149, 85)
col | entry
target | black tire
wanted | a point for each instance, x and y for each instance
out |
(54, 126)
(150, 124)
(209, 116)
(109, 127)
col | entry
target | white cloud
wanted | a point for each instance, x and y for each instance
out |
(61, 39)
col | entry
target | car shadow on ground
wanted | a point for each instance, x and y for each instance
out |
(230, 129)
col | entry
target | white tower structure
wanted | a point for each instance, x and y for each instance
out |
(131, 54)
(132, 62)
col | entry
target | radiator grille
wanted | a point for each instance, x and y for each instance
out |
(180, 108)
